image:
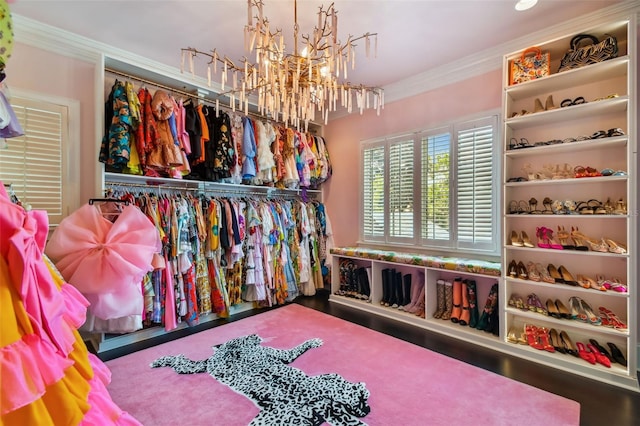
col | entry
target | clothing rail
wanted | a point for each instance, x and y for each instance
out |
(151, 187)
(193, 96)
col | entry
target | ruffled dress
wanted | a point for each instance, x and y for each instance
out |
(107, 261)
(48, 377)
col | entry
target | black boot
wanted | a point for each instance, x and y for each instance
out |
(473, 303)
(363, 280)
(406, 293)
(385, 287)
(393, 301)
(489, 308)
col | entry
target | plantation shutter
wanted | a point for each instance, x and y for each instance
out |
(475, 208)
(435, 180)
(32, 163)
(401, 160)
(373, 183)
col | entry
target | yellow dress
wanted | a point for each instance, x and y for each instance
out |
(47, 376)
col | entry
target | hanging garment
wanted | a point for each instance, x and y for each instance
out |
(48, 376)
(106, 261)
(114, 151)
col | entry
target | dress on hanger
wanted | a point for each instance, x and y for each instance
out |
(107, 261)
(48, 377)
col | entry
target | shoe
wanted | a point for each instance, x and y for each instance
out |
(613, 319)
(532, 271)
(616, 354)
(439, 299)
(553, 272)
(600, 358)
(465, 316)
(588, 282)
(594, 245)
(516, 240)
(448, 301)
(576, 309)
(615, 247)
(562, 310)
(584, 354)
(512, 270)
(556, 342)
(564, 237)
(513, 336)
(525, 240)
(552, 243)
(532, 336)
(548, 105)
(522, 271)
(537, 107)
(457, 300)
(552, 309)
(545, 341)
(544, 274)
(567, 278)
(543, 242)
(535, 305)
(601, 349)
(567, 344)
(591, 316)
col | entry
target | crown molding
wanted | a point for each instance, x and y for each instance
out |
(491, 59)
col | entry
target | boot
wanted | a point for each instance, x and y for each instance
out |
(489, 307)
(457, 299)
(416, 288)
(465, 316)
(448, 301)
(406, 290)
(363, 279)
(473, 303)
(385, 287)
(418, 309)
(494, 319)
(397, 290)
(440, 299)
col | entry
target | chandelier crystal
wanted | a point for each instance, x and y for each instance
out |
(292, 87)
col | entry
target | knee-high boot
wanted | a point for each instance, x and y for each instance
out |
(385, 287)
(489, 307)
(439, 299)
(406, 290)
(391, 295)
(448, 301)
(397, 287)
(457, 299)
(418, 309)
(465, 316)
(473, 303)
(416, 288)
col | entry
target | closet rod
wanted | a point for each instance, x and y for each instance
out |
(155, 187)
(189, 95)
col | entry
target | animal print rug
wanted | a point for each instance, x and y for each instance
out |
(285, 394)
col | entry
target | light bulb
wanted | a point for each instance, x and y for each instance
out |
(525, 4)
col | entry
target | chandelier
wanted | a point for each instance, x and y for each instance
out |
(292, 87)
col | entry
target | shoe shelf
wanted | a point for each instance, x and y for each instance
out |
(540, 150)
(616, 67)
(570, 147)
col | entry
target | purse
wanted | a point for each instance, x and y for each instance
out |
(529, 67)
(597, 51)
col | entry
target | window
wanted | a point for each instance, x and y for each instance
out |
(455, 188)
(34, 164)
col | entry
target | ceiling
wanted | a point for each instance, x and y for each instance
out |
(414, 36)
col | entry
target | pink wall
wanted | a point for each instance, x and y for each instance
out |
(341, 193)
(39, 71)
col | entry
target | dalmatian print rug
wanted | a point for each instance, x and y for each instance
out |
(284, 394)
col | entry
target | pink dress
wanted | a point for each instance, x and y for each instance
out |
(107, 261)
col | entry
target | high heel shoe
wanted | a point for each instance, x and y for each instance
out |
(525, 240)
(588, 282)
(565, 238)
(601, 349)
(614, 247)
(544, 274)
(552, 243)
(613, 319)
(592, 318)
(553, 272)
(555, 341)
(600, 358)
(616, 354)
(522, 271)
(567, 278)
(567, 344)
(533, 272)
(514, 337)
(532, 336)
(543, 336)
(588, 356)
(595, 245)
(537, 106)
(516, 240)
(512, 270)
(576, 309)
(552, 309)
(562, 310)
(549, 105)
(535, 305)
(543, 242)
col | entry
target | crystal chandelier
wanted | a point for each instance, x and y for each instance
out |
(292, 87)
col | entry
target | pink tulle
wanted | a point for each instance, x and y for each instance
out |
(106, 261)
(28, 366)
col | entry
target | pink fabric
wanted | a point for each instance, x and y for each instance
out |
(106, 261)
(103, 410)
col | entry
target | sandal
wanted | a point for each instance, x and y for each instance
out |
(547, 206)
(615, 132)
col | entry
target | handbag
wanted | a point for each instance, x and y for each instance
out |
(529, 67)
(597, 51)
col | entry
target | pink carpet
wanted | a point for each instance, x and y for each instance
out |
(409, 385)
